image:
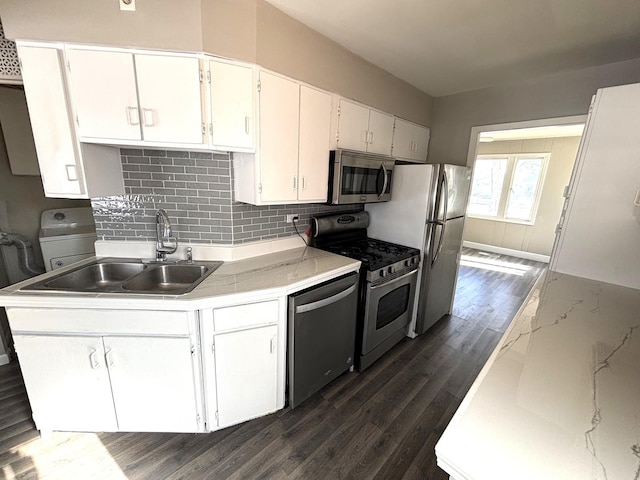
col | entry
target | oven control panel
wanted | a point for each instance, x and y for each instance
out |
(393, 271)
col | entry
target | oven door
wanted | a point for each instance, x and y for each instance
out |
(360, 178)
(388, 308)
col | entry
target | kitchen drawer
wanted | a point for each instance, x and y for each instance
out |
(87, 321)
(243, 316)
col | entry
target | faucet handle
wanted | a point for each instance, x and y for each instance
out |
(189, 255)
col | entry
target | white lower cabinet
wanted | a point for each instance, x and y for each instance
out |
(243, 360)
(151, 376)
(135, 379)
(67, 382)
(246, 374)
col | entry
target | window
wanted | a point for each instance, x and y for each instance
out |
(507, 187)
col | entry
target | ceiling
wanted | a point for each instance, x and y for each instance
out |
(447, 47)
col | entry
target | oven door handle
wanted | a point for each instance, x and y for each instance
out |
(395, 280)
(326, 301)
(384, 183)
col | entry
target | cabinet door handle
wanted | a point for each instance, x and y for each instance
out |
(108, 357)
(371, 137)
(365, 136)
(92, 358)
(246, 125)
(304, 183)
(131, 118)
(148, 117)
(272, 345)
(295, 183)
(72, 173)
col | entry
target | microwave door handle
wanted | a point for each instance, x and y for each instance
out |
(384, 183)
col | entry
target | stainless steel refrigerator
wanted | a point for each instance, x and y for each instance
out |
(427, 211)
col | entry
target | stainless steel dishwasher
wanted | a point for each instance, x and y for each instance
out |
(322, 332)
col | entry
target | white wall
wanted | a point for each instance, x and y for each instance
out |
(559, 95)
(537, 238)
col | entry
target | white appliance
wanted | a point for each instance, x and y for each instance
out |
(427, 211)
(598, 235)
(67, 235)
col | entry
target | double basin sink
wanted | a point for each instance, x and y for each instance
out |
(109, 275)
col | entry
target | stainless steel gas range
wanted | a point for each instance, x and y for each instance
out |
(387, 281)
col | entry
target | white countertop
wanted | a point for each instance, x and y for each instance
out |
(271, 275)
(560, 396)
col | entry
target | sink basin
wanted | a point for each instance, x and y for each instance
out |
(96, 277)
(119, 276)
(167, 278)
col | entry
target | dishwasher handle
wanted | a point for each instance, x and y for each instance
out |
(326, 301)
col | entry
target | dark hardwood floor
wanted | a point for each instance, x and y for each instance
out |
(379, 424)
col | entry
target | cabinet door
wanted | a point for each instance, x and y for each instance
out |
(103, 89)
(279, 109)
(353, 126)
(246, 374)
(170, 99)
(153, 383)
(380, 133)
(420, 143)
(232, 105)
(313, 156)
(53, 134)
(403, 139)
(67, 382)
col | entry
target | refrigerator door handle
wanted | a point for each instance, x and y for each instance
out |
(440, 242)
(445, 193)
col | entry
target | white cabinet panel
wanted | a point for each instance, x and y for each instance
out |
(279, 107)
(380, 133)
(410, 141)
(67, 382)
(170, 99)
(313, 153)
(403, 139)
(103, 86)
(151, 376)
(421, 142)
(232, 105)
(353, 126)
(246, 374)
(53, 133)
(364, 129)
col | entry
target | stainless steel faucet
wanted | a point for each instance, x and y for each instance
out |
(165, 241)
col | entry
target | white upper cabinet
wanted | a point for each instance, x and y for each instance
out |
(410, 141)
(123, 97)
(279, 110)
(313, 149)
(69, 169)
(232, 92)
(364, 129)
(103, 86)
(291, 164)
(169, 91)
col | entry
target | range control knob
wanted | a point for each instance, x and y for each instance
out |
(383, 273)
(391, 270)
(408, 262)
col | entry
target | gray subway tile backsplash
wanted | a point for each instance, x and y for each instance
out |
(195, 188)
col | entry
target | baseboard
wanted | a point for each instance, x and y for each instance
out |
(4, 359)
(508, 251)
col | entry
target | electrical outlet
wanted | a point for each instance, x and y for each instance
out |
(291, 217)
(128, 5)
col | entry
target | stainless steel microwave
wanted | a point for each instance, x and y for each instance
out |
(357, 177)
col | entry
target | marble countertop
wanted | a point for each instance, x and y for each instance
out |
(559, 399)
(264, 276)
